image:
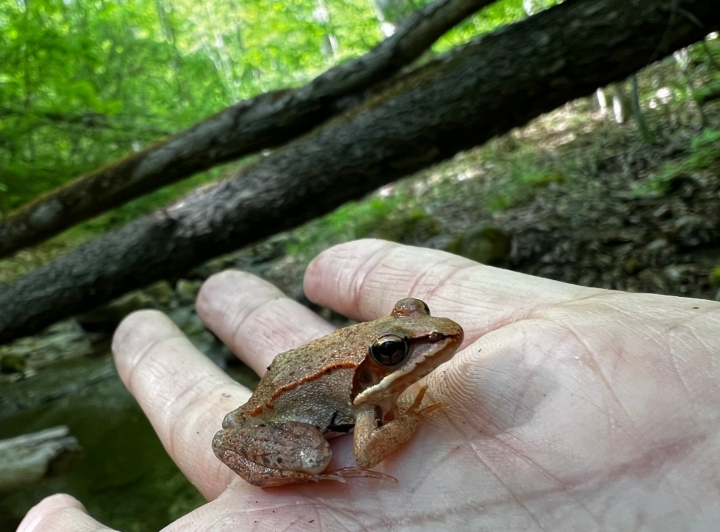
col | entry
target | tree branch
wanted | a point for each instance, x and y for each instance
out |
(480, 90)
(264, 121)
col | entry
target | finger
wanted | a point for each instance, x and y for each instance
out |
(364, 279)
(255, 319)
(59, 513)
(184, 395)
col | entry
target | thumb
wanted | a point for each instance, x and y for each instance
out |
(59, 513)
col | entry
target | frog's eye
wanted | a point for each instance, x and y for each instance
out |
(427, 309)
(389, 350)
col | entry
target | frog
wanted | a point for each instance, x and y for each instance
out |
(347, 381)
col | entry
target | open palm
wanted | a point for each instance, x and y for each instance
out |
(569, 408)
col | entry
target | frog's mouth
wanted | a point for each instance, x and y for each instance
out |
(425, 358)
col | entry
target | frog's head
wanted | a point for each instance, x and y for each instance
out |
(405, 347)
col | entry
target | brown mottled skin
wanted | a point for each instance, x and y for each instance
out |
(329, 386)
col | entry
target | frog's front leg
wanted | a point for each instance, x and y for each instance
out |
(271, 454)
(373, 442)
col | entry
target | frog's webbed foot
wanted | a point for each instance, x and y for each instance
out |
(266, 477)
(415, 410)
(355, 472)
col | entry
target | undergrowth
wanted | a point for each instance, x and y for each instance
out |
(703, 153)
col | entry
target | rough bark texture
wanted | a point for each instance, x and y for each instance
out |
(262, 122)
(485, 88)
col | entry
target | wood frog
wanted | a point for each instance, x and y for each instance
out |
(349, 379)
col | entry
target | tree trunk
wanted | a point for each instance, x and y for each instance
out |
(622, 104)
(637, 110)
(484, 88)
(262, 122)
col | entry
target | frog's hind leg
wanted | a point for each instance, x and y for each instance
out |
(272, 454)
(265, 477)
(374, 441)
(356, 472)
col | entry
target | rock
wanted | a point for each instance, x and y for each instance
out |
(673, 273)
(657, 244)
(27, 459)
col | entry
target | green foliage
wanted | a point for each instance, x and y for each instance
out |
(484, 243)
(704, 152)
(348, 222)
(525, 176)
(84, 84)
(708, 91)
(411, 226)
(714, 277)
(492, 17)
(394, 213)
(12, 363)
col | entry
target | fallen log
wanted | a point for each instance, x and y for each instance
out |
(264, 121)
(460, 100)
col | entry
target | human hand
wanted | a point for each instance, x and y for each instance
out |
(569, 408)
